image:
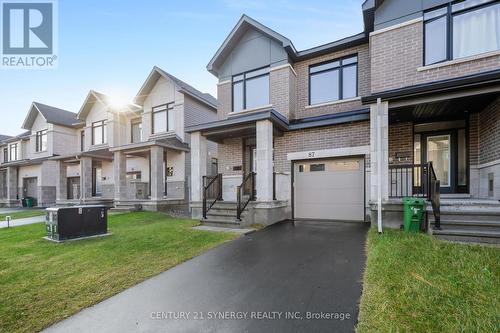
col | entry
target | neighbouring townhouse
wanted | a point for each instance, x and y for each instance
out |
(343, 131)
(123, 156)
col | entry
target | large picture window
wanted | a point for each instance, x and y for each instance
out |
(163, 118)
(251, 89)
(333, 80)
(461, 29)
(99, 133)
(41, 141)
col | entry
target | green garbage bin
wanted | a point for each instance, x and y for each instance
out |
(30, 202)
(413, 214)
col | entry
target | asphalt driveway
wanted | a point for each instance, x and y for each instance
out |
(291, 277)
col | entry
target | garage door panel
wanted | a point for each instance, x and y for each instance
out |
(330, 189)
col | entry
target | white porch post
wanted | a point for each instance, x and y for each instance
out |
(379, 143)
(120, 175)
(61, 181)
(264, 160)
(157, 180)
(85, 178)
(198, 165)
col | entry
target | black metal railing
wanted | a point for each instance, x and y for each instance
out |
(416, 180)
(245, 193)
(434, 196)
(212, 192)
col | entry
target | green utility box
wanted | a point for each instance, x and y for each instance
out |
(413, 214)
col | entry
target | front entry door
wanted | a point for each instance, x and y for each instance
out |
(447, 151)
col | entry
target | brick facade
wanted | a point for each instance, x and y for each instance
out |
(338, 136)
(230, 155)
(489, 133)
(283, 91)
(474, 139)
(302, 70)
(224, 99)
(398, 53)
(401, 143)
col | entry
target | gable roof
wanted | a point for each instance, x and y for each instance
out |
(51, 114)
(246, 22)
(94, 97)
(182, 86)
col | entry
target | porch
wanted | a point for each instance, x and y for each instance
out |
(246, 188)
(445, 148)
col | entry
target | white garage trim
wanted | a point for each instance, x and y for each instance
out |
(326, 153)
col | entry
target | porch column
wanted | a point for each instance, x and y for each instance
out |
(120, 175)
(85, 178)
(198, 165)
(61, 181)
(12, 184)
(157, 180)
(379, 153)
(264, 160)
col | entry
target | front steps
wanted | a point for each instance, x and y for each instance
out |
(223, 214)
(475, 221)
(126, 208)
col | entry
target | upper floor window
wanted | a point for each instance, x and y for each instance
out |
(13, 152)
(163, 118)
(251, 89)
(461, 29)
(136, 128)
(99, 133)
(5, 155)
(41, 141)
(333, 80)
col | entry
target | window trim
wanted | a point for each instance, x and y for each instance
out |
(137, 121)
(450, 14)
(16, 150)
(244, 80)
(103, 132)
(169, 107)
(38, 140)
(340, 68)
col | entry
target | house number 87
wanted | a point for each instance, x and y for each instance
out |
(310, 154)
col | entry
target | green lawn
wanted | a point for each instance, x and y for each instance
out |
(42, 282)
(416, 283)
(23, 214)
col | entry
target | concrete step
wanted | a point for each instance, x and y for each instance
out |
(466, 235)
(470, 225)
(221, 223)
(231, 216)
(126, 208)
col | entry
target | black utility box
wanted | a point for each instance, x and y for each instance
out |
(76, 222)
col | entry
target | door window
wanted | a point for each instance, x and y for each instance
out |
(438, 152)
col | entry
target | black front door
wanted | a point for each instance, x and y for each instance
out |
(448, 152)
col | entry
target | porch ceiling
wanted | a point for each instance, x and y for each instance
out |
(451, 109)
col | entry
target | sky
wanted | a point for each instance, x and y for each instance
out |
(111, 45)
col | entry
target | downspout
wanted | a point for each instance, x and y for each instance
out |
(379, 167)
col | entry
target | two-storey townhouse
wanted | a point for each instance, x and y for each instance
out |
(27, 169)
(136, 155)
(435, 72)
(339, 130)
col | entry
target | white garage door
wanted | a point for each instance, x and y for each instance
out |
(330, 189)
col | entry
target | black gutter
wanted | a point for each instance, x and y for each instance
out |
(330, 119)
(470, 81)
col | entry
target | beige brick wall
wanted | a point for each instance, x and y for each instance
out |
(396, 54)
(230, 154)
(283, 87)
(489, 133)
(224, 100)
(474, 139)
(302, 70)
(338, 136)
(401, 143)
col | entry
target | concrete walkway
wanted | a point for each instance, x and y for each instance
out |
(18, 222)
(291, 277)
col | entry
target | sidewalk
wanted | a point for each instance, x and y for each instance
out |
(18, 222)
